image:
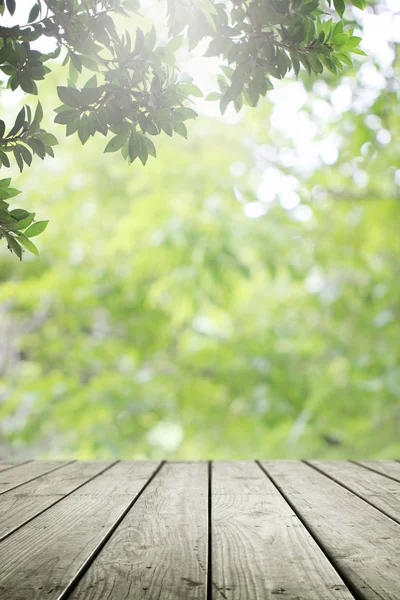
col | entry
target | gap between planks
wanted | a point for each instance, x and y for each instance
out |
(382, 493)
(361, 542)
(43, 502)
(20, 473)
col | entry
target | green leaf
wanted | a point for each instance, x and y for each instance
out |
(5, 216)
(13, 245)
(19, 121)
(18, 159)
(174, 44)
(34, 13)
(352, 42)
(37, 146)
(4, 159)
(91, 83)
(361, 4)
(143, 152)
(11, 5)
(150, 146)
(84, 129)
(69, 96)
(36, 229)
(134, 146)
(11, 192)
(38, 113)
(27, 244)
(218, 46)
(19, 213)
(117, 142)
(339, 6)
(191, 89)
(65, 117)
(27, 84)
(47, 138)
(189, 113)
(181, 129)
(24, 223)
(26, 155)
(213, 96)
(5, 183)
(344, 58)
(76, 62)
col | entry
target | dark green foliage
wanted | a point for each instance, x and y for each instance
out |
(136, 90)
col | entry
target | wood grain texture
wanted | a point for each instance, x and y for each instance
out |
(10, 464)
(362, 542)
(11, 478)
(40, 560)
(159, 550)
(390, 468)
(260, 549)
(381, 492)
(21, 504)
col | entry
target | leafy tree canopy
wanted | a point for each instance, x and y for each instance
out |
(130, 88)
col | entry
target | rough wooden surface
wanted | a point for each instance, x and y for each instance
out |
(255, 533)
(380, 491)
(9, 464)
(196, 531)
(390, 468)
(22, 473)
(160, 548)
(363, 543)
(43, 558)
(19, 505)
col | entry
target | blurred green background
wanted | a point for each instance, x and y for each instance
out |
(238, 297)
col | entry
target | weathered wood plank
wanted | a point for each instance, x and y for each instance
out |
(10, 464)
(362, 542)
(260, 549)
(159, 549)
(390, 468)
(12, 478)
(381, 492)
(41, 559)
(26, 501)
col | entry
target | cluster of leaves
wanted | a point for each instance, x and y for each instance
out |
(17, 226)
(25, 138)
(261, 40)
(137, 91)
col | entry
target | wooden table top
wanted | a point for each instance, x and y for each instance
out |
(318, 530)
